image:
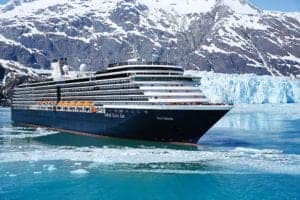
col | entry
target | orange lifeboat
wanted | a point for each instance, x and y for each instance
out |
(78, 103)
(94, 109)
(68, 103)
(61, 103)
(72, 103)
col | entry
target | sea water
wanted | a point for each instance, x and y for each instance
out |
(252, 153)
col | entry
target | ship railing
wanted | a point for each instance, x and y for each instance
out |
(149, 72)
(143, 67)
(51, 95)
(82, 109)
(62, 84)
(34, 98)
(155, 73)
(34, 87)
(107, 98)
(101, 87)
(78, 106)
(125, 74)
(95, 82)
(104, 92)
(31, 91)
(139, 63)
(164, 83)
(67, 106)
(154, 103)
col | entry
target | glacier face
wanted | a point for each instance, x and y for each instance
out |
(247, 88)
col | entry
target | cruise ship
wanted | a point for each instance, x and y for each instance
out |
(147, 101)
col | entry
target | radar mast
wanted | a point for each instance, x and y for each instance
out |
(134, 55)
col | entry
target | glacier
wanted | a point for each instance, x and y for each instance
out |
(247, 88)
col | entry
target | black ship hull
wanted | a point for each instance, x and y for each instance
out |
(150, 124)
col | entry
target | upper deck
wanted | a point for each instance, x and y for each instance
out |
(120, 84)
(163, 66)
(116, 70)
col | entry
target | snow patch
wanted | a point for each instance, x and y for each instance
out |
(180, 6)
(17, 67)
(291, 58)
(239, 6)
(212, 48)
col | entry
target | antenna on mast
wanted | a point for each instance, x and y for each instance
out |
(134, 55)
(168, 55)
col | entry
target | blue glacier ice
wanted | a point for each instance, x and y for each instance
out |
(248, 88)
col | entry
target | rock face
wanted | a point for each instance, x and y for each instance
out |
(12, 74)
(229, 36)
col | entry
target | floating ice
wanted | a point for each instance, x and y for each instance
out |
(246, 159)
(248, 88)
(12, 175)
(79, 171)
(49, 167)
(77, 163)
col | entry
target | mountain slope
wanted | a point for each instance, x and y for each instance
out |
(228, 36)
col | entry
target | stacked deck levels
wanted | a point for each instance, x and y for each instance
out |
(141, 101)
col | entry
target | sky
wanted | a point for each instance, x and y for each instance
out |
(279, 5)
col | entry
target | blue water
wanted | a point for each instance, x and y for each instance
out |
(252, 153)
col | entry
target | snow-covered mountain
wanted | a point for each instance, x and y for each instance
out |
(229, 36)
(11, 74)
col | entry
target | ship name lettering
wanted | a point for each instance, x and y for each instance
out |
(165, 118)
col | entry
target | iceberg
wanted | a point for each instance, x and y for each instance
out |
(247, 88)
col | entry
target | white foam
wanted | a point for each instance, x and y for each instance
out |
(266, 160)
(22, 133)
(176, 171)
(257, 151)
(11, 129)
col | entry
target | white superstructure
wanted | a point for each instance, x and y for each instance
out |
(122, 84)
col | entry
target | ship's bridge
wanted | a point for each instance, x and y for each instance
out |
(148, 66)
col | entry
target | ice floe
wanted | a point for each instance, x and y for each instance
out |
(245, 159)
(79, 171)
